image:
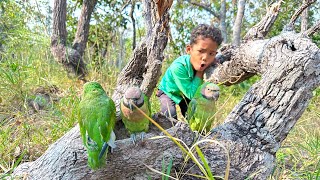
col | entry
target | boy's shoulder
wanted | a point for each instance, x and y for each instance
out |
(184, 60)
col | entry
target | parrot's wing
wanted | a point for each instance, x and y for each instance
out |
(107, 121)
(81, 122)
(191, 109)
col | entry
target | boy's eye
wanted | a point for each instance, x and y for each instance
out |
(213, 54)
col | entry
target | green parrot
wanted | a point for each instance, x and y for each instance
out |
(202, 107)
(134, 121)
(97, 117)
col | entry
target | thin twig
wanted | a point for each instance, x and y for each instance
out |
(300, 10)
(315, 28)
(125, 5)
(204, 7)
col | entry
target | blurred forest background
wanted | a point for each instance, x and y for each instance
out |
(38, 99)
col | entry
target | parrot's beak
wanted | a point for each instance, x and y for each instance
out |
(216, 96)
(130, 105)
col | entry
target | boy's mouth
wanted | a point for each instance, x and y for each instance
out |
(202, 65)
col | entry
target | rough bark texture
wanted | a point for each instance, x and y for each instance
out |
(252, 133)
(71, 58)
(82, 33)
(68, 157)
(144, 69)
(289, 65)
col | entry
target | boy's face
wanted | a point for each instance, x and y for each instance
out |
(202, 53)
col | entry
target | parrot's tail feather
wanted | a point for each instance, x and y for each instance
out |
(112, 140)
(103, 150)
(91, 144)
(94, 161)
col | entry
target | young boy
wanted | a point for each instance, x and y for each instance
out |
(185, 74)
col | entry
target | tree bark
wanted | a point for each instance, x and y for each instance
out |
(261, 29)
(71, 58)
(133, 21)
(144, 69)
(252, 133)
(238, 23)
(304, 19)
(247, 140)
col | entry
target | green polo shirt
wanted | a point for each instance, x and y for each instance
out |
(179, 80)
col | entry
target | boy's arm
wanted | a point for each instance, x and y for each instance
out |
(186, 86)
(200, 74)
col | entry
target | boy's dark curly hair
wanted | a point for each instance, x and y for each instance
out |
(206, 31)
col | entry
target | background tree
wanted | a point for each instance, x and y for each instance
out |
(238, 23)
(71, 58)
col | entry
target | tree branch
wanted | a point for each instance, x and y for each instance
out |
(304, 19)
(82, 33)
(295, 16)
(133, 4)
(59, 35)
(260, 30)
(315, 28)
(205, 7)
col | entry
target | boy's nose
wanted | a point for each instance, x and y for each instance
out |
(204, 59)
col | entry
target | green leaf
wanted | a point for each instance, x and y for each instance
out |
(205, 163)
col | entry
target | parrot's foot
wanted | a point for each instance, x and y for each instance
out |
(111, 149)
(142, 135)
(133, 138)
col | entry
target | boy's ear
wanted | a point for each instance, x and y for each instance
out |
(188, 48)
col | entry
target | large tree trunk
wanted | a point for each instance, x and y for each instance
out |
(144, 69)
(247, 140)
(252, 133)
(71, 58)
